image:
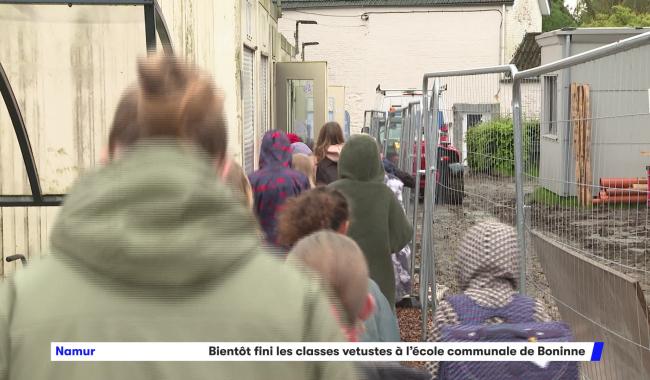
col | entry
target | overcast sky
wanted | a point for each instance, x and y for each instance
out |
(571, 4)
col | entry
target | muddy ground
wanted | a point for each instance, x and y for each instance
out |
(614, 235)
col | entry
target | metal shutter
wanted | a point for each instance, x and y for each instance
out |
(248, 103)
(264, 94)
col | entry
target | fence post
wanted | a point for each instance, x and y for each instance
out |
(424, 246)
(415, 137)
(433, 183)
(519, 177)
(427, 256)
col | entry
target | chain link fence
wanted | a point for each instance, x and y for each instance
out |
(586, 197)
(559, 152)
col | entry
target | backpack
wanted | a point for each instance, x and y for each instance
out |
(519, 326)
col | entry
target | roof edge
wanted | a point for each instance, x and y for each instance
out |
(607, 30)
(336, 4)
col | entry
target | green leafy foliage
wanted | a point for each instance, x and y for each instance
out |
(587, 10)
(491, 147)
(559, 18)
(548, 198)
(619, 15)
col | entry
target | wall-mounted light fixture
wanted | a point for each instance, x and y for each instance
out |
(365, 17)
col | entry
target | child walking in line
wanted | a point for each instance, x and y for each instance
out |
(487, 265)
(324, 208)
(275, 182)
(378, 223)
(328, 150)
(338, 261)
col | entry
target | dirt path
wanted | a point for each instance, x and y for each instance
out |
(616, 236)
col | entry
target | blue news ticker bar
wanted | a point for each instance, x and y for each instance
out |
(597, 353)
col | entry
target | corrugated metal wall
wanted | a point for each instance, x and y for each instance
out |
(248, 103)
(264, 94)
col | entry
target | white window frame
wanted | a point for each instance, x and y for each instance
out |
(550, 109)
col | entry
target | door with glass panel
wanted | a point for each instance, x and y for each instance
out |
(301, 98)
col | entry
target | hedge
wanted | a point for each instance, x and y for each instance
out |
(490, 147)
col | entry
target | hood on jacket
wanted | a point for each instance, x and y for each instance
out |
(275, 150)
(157, 216)
(360, 160)
(488, 257)
(334, 152)
(301, 148)
(293, 138)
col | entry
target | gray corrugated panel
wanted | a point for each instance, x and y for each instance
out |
(248, 101)
(302, 4)
(264, 95)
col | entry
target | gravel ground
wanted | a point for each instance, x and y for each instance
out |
(615, 235)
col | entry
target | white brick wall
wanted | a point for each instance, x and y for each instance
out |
(395, 49)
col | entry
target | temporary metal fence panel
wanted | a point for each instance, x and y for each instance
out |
(404, 132)
(410, 124)
(585, 147)
(567, 142)
(372, 121)
(466, 181)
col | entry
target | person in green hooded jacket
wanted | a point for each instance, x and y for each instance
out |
(378, 223)
(153, 248)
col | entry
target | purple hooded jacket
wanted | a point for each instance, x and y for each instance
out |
(275, 181)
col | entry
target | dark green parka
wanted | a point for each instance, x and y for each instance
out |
(378, 223)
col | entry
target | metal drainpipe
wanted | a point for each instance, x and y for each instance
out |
(503, 34)
(567, 127)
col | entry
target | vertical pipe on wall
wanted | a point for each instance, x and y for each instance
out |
(503, 35)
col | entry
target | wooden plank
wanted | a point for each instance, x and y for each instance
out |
(587, 131)
(580, 147)
(581, 181)
(583, 147)
(574, 124)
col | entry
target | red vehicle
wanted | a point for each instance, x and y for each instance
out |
(449, 177)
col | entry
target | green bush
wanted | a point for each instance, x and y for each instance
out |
(491, 148)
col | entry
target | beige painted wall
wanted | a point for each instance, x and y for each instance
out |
(69, 65)
(396, 49)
